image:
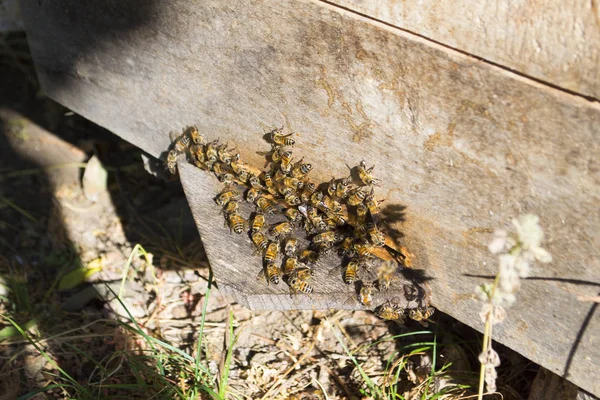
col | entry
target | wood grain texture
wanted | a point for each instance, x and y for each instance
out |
(551, 40)
(464, 145)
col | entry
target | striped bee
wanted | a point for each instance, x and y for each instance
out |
(301, 170)
(231, 208)
(292, 199)
(372, 204)
(350, 272)
(386, 274)
(286, 162)
(356, 197)
(290, 265)
(237, 223)
(195, 136)
(281, 140)
(226, 197)
(292, 214)
(365, 296)
(252, 195)
(211, 152)
(390, 311)
(309, 256)
(259, 241)
(271, 252)
(365, 174)
(307, 192)
(182, 143)
(290, 247)
(421, 314)
(343, 188)
(171, 162)
(293, 183)
(273, 273)
(265, 205)
(281, 229)
(258, 222)
(297, 284)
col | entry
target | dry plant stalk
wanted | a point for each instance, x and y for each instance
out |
(516, 252)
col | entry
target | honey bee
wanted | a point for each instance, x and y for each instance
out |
(365, 174)
(337, 219)
(290, 265)
(195, 136)
(171, 163)
(411, 292)
(281, 229)
(259, 241)
(390, 311)
(292, 214)
(298, 284)
(332, 187)
(421, 314)
(225, 155)
(271, 252)
(182, 143)
(347, 247)
(316, 199)
(269, 183)
(265, 205)
(237, 223)
(290, 247)
(304, 273)
(276, 153)
(285, 191)
(292, 199)
(293, 183)
(211, 152)
(377, 237)
(227, 179)
(281, 140)
(309, 189)
(301, 170)
(343, 188)
(197, 154)
(231, 208)
(255, 182)
(273, 273)
(309, 256)
(385, 274)
(238, 167)
(258, 222)
(350, 272)
(361, 212)
(279, 176)
(357, 197)
(325, 237)
(363, 249)
(252, 195)
(372, 204)
(226, 197)
(286, 162)
(365, 296)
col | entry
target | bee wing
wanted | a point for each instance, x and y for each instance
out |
(262, 276)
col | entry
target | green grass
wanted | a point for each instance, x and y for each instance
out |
(396, 367)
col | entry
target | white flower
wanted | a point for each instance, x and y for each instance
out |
(528, 230)
(484, 291)
(522, 266)
(541, 255)
(499, 243)
(489, 357)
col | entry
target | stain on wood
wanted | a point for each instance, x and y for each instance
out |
(462, 144)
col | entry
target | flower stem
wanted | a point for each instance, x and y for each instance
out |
(487, 335)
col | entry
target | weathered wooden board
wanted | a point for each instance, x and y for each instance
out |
(552, 40)
(238, 267)
(464, 145)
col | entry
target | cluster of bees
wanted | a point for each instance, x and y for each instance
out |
(341, 216)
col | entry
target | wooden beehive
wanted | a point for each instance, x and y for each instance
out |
(471, 121)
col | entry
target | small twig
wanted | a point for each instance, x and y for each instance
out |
(593, 299)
